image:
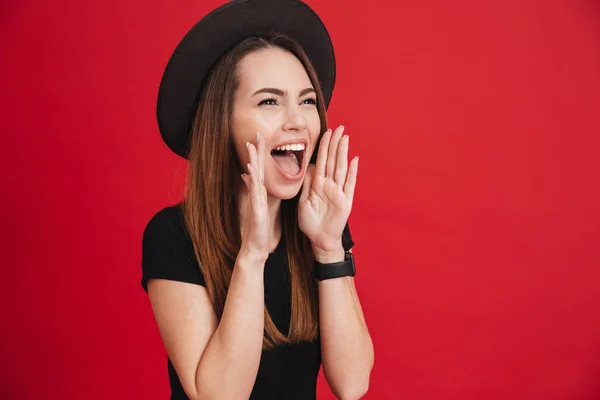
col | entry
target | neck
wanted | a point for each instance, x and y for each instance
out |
(274, 206)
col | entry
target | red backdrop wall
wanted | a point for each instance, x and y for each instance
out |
(476, 215)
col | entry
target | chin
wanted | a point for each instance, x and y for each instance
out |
(286, 192)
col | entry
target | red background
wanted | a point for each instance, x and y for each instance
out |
(476, 215)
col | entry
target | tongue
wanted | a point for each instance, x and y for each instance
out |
(288, 162)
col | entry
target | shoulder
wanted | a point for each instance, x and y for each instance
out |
(167, 220)
(166, 230)
(167, 249)
(167, 226)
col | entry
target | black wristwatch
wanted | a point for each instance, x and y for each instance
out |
(335, 270)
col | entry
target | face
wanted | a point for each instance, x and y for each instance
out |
(276, 98)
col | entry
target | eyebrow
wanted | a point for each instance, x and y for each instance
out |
(281, 93)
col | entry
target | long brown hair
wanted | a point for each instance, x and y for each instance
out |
(210, 204)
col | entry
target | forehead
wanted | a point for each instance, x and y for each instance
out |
(272, 68)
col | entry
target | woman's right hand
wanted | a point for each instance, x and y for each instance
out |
(255, 234)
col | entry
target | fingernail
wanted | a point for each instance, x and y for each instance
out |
(248, 165)
(257, 137)
(342, 127)
(247, 144)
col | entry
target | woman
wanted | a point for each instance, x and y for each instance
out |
(251, 276)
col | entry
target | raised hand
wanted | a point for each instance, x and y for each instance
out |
(255, 233)
(328, 192)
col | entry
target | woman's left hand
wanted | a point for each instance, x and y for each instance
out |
(327, 193)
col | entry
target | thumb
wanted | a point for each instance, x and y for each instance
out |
(306, 185)
(245, 179)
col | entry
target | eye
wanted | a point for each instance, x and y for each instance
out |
(310, 101)
(268, 102)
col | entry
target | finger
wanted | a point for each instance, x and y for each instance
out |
(333, 148)
(252, 154)
(245, 178)
(351, 180)
(306, 185)
(322, 156)
(255, 184)
(261, 156)
(257, 181)
(341, 167)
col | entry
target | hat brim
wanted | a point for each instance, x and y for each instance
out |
(218, 32)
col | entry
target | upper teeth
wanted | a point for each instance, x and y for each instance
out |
(294, 147)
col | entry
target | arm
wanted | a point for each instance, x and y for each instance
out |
(323, 210)
(213, 360)
(346, 346)
(220, 360)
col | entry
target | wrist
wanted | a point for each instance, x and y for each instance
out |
(329, 255)
(335, 269)
(248, 260)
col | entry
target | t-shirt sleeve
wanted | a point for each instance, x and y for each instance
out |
(167, 250)
(347, 241)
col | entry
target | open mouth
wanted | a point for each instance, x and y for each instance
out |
(289, 157)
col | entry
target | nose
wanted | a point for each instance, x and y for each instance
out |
(294, 120)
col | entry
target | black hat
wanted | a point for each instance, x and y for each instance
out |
(215, 34)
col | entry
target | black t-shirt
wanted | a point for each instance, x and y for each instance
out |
(285, 372)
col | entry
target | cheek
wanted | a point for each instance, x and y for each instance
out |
(242, 154)
(314, 128)
(240, 134)
(244, 126)
(239, 150)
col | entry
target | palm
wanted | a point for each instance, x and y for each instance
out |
(324, 210)
(328, 191)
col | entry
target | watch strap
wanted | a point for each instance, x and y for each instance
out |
(335, 270)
